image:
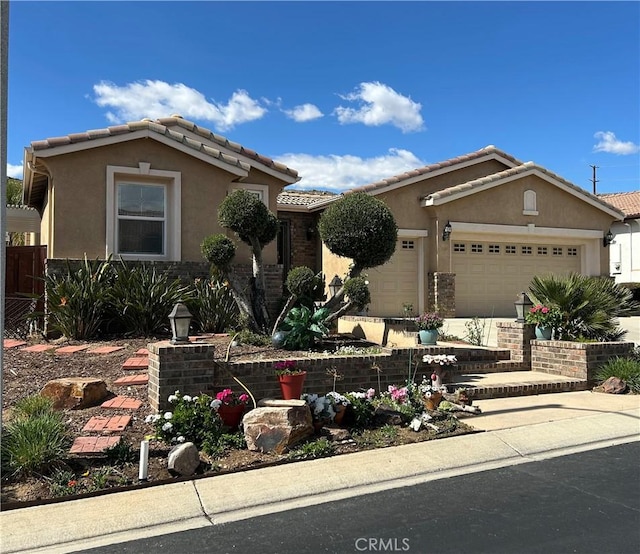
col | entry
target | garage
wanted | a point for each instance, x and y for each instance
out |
(397, 282)
(490, 275)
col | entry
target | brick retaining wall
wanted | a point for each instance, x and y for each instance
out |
(517, 338)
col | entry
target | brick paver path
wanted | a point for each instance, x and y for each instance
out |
(12, 343)
(142, 379)
(93, 445)
(137, 362)
(106, 425)
(142, 352)
(38, 348)
(122, 402)
(105, 349)
(71, 349)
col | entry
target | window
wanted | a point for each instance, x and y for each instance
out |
(542, 251)
(557, 250)
(572, 251)
(143, 213)
(530, 203)
(526, 250)
(459, 247)
(141, 219)
(261, 191)
(510, 249)
(476, 248)
(407, 245)
(494, 249)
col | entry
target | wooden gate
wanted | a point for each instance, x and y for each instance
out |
(24, 279)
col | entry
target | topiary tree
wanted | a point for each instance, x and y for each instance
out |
(362, 228)
(246, 215)
(303, 286)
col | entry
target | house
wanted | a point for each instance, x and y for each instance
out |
(624, 251)
(145, 190)
(474, 230)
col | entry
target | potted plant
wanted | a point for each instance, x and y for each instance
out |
(545, 319)
(291, 379)
(339, 403)
(428, 324)
(230, 407)
(322, 409)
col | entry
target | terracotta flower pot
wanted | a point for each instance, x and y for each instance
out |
(340, 411)
(291, 385)
(433, 401)
(231, 416)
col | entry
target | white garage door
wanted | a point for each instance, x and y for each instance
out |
(490, 275)
(396, 282)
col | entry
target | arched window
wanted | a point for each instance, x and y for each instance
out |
(530, 207)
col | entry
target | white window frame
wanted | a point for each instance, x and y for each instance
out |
(144, 175)
(261, 191)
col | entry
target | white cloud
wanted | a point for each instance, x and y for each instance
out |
(380, 104)
(15, 171)
(155, 99)
(610, 144)
(304, 112)
(339, 173)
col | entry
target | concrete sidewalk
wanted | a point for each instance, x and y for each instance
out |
(519, 430)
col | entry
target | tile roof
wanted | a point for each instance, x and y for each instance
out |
(450, 163)
(626, 202)
(512, 172)
(170, 127)
(303, 197)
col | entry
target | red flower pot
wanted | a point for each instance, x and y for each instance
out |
(231, 416)
(291, 385)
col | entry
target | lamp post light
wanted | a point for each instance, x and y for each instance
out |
(607, 239)
(180, 319)
(446, 232)
(335, 285)
(523, 304)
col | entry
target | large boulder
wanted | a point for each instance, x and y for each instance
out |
(278, 425)
(184, 459)
(75, 392)
(614, 385)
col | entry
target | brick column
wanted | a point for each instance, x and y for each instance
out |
(517, 338)
(442, 293)
(188, 368)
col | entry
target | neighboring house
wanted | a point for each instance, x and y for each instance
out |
(474, 230)
(624, 251)
(145, 190)
(24, 221)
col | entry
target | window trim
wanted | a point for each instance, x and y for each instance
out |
(144, 175)
(262, 190)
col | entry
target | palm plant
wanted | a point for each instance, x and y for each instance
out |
(589, 306)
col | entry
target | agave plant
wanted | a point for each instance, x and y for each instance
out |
(590, 306)
(303, 327)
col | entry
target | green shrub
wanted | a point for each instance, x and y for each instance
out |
(192, 420)
(303, 327)
(313, 449)
(246, 336)
(359, 227)
(627, 369)
(213, 307)
(475, 331)
(78, 300)
(245, 214)
(33, 444)
(357, 291)
(589, 306)
(121, 453)
(33, 406)
(141, 299)
(218, 250)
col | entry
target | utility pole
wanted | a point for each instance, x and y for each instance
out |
(593, 179)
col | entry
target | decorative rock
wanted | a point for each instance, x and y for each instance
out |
(280, 403)
(184, 459)
(613, 385)
(274, 429)
(387, 416)
(75, 392)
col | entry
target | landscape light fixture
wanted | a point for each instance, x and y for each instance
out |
(180, 319)
(523, 305)
(446, 232)
(608, 238)
(335, 285)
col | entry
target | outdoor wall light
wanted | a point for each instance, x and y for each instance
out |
(335, 285)
(608, 238)
(523, 305)
(180, 319)
(446, 232)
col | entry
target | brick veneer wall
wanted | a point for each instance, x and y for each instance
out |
(442, 293)
(192, 369)
(304, 251)
(578, 360)
(517, 338)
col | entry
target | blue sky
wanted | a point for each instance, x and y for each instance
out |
(344, 92)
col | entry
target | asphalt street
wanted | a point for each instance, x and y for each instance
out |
(584, 503)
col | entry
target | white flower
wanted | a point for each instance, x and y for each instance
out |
(151, 418)
(167, 426)
(415, 424)
(186, 398)
(215, 404)
(180, 438)
(168, 415)
(172, 398)
(194, 399)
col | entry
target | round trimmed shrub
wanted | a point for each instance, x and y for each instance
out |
(300, 281)
(360, 227)
(218, 249)
(245, 214)
(357, 291)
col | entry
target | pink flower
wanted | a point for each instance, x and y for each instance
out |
(243, 397)
(225, 396)
(371, 393)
